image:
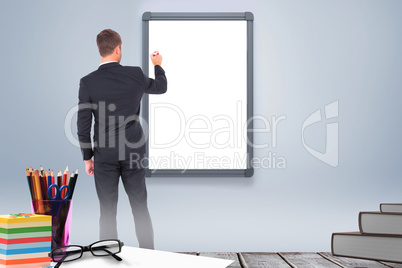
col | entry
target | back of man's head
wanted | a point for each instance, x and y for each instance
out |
(107, 40)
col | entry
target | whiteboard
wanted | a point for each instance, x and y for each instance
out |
(199, 127)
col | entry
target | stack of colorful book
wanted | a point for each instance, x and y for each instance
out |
(25, 240)
(379, 237)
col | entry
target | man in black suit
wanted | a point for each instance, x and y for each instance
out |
(112, 94)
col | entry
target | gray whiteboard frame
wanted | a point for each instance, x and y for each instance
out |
(249, 17)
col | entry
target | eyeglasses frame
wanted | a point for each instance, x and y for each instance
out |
(88, 248)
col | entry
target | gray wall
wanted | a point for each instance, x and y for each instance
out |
(307, 54)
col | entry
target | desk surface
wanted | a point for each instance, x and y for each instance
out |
(145, 258)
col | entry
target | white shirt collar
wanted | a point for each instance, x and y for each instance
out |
(106, 62)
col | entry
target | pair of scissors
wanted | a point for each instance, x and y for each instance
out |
(58, 192)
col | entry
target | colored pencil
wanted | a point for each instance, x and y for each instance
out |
(59, 179)
(70, 182)
(32, 183)
(31, 172)
(43, 185)
(53, 189)
(29, 182)
(37, 185)
(49, 179)
(73, 181)
(65, 182)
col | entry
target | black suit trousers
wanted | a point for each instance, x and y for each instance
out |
(107, 176)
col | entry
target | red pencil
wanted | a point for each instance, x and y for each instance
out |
(53, 189)
(65, 182)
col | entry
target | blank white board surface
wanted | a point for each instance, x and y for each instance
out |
(199, 126)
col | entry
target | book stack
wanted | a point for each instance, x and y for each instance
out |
(380, 236)
(25, 240)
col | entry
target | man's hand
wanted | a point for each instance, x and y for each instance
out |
(89, 166)
(156, 59)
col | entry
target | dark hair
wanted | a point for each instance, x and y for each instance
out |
(107, 40)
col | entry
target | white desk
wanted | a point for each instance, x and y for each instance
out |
(145, 258)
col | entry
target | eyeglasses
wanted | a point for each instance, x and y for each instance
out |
(108, 247)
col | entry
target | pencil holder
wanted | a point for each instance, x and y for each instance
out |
(60, 210)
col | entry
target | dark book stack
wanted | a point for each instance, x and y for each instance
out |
(380, 236)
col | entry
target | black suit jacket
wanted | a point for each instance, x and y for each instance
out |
(112, 95)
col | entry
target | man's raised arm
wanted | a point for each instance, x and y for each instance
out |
(159, 84)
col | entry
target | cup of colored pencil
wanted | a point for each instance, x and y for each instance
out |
(52, 195)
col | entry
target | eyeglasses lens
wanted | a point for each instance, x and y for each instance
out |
(67, 253)
(105, 248)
